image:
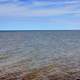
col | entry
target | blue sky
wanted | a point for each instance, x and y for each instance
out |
(39, 14)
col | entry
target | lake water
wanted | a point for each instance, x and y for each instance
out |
(38, 48)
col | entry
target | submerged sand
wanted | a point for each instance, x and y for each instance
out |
(48, 72)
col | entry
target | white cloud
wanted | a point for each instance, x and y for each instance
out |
(28, 11)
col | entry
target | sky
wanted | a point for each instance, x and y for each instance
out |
(39, 14)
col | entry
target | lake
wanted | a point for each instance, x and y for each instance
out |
(36, 49)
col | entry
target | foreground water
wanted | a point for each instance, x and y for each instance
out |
(39, 49)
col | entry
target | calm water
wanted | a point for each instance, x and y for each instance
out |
(37, 48)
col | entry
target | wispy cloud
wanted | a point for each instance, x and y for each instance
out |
(38, 8)
(48, 11)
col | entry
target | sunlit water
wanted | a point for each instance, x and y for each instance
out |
(38, 48)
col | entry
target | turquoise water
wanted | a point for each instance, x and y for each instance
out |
(38, 48)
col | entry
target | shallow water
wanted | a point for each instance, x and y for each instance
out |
(38, 48)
